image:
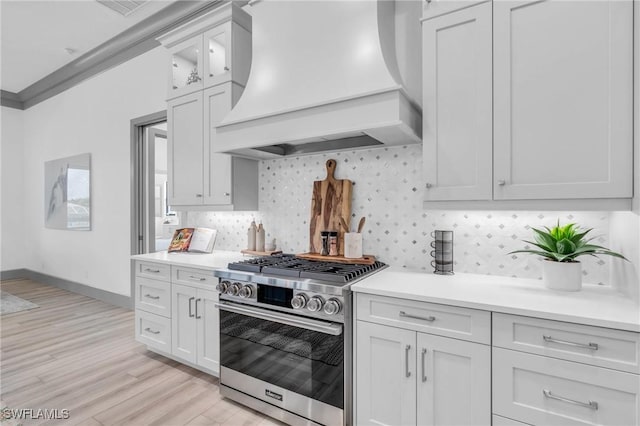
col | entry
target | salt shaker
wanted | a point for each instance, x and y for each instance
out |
(251, 236)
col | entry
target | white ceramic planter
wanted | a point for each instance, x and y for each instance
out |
(565, 276)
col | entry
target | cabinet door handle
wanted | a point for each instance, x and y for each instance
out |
(591, 404)
(406, 315)
(592, 346)
(424, 371)
(199, 195)
(191, 299)
(226, 194)
(197, 316)
(502, 182)
(226, 68)
(193, 277)
(152, 297)
(155, 271)
(151, 331)
(406, 361)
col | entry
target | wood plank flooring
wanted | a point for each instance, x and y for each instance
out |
(79, 354)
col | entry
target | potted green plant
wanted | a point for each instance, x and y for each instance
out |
(560, 246)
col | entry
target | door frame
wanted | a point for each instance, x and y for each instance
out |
(137, 126)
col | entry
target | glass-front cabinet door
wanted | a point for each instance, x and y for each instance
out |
(186, 67)
(217, 43)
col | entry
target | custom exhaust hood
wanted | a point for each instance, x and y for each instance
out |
(328, 75)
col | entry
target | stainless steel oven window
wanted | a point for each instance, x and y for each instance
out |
(304, 361)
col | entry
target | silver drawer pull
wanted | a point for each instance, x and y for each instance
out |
(155, 271)
(406, 315)
(591, 404)
(152, 297)
(592, 346)
(406, 360)
(151, 331)
(197, 278)
(424, 371)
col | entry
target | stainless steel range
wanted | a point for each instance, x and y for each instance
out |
(286, 336)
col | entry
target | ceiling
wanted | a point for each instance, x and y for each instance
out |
(35, 34)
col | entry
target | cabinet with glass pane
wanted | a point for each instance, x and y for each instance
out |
(212, 49)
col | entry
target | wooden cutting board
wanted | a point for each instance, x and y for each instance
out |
(330, 200)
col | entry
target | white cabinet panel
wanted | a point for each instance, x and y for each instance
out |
(153, 296)
(457, 113)
(153, 330)
(185, 138)
(598, 346)
(183, 322)
(217, 177)
(454, 378)
(547, 391)
(562, 99)
(385, 375)
(208, 330)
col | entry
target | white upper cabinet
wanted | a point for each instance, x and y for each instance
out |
(556, 122)
(457, 129)
(212, 49)
(563, 99)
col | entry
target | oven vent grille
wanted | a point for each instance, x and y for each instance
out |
(123, 7)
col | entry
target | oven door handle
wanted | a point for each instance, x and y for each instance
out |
(308, 324)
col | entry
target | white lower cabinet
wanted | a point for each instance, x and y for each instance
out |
(194, 326)
(404, 377)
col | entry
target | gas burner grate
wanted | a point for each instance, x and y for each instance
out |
(290, 266)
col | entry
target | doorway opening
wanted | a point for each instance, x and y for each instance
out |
(153, 221)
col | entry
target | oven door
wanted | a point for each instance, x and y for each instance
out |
(292, 362)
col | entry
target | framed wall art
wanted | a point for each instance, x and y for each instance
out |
(67, 193)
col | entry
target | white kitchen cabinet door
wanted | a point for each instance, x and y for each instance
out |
(385, 375)
(183, 322)
(208, 332)
(454, 382)
(457, 113)
(562, 99)
(217, 168)
(185, 138)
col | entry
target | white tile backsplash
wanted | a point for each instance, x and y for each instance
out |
(388, 191)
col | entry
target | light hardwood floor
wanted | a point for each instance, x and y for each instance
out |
(79, 354)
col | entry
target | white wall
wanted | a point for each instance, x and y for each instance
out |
(93, 117)
(12, 251)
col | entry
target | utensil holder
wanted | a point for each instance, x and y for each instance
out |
(353, 245)
(442, 252)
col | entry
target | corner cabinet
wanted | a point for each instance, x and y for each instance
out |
(529, 100)
(217, 49)
(409, 372)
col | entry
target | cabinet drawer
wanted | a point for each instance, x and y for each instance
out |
(433, 8)
(153, 330)
(156, 271)
(444, 320)
(503, 421)
(599, 346)
(547, 391)
(182, 275)
(153, 296)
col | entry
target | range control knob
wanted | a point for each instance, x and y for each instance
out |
(332, 307)
(315, 304)
(246, 291)
(299, 301)
(223, 286)
(234, 289)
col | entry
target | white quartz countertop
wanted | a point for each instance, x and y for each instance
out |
(593, 305)
(216, 260)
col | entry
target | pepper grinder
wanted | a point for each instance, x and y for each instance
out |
(251, 236)
(260, 238)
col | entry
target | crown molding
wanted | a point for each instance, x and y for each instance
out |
(127, 45)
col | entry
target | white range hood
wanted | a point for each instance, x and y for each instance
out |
(327, 75)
